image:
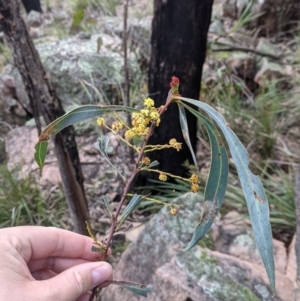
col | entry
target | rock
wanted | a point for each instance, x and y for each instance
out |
(36, 33)
(210, 275)
(235, 237)
(266, 47)
(216, 27)
(75, 67)
(34, 19)
(291, 268)
(133, 234)
(20, 150)
(78, 73)
(268, 72)
(157, 257)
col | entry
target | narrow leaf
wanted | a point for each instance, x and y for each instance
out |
(217, 180)
(153, 164)
(133, 204)
(79, 114)
(256, 199)
(99, 250)
(137, 288)
(106, 202)
(102, 145)
(40, 153)
(185, 132)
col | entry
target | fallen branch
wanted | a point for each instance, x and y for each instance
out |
(245, 49)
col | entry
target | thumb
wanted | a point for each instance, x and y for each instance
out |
(72, 283)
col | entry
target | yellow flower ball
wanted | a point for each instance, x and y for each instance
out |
(163, 177)
(100, 121)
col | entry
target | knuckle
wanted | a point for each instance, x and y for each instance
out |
(79, 282)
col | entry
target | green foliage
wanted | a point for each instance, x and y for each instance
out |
(257, 202)
(258, 121)
(76, 115)
(137, 288)
(22, 204)
(217, 181)
(77, 18)
(106, 7)
(246, 17)
(143, 124)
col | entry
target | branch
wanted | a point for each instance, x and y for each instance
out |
(245, 49)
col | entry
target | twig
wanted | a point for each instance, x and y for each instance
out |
(245, 49)
(128, 185)
(126, 70)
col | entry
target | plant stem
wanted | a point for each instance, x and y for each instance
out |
(113, 225)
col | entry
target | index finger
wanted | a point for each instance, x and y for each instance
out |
(35, 242)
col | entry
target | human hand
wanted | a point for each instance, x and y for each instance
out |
(48, 264)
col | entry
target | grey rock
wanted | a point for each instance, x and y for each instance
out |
(34, 19)
(233, 236)
(157, 257)
(80, 73)
(266, 47)
(269, 72)
(20, 143)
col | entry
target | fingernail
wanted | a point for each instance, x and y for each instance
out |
(101, 273)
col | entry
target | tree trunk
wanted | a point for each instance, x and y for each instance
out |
(178, 44)
(32, 5)
(44, 99)
(297, 207)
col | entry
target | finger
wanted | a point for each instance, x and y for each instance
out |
(85, 297)
(74, 282)
(43, 274)
(55, 264)
(40, 242)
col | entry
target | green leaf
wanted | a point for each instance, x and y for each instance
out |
(217, 180)
(133, 204)
(102, 146)
(153, 164)
(40, 153)
(256, 199)
(137, 288)
(185, 132)
(99, 250)
(79, 114)
(106, 202)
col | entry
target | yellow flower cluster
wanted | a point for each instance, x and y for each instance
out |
(174, 211)
(146, 161)
(194, 180)
(177, 145)
(163, 177)
(117, 126)
(100, 121)
(141, 120)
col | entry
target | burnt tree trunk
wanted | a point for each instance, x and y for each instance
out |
(32, 5)
(44, 99)
(178, 45)
(297, 207)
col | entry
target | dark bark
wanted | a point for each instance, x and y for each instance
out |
(178, 45)
(32, 5)
(297, 207)
(43, 99)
